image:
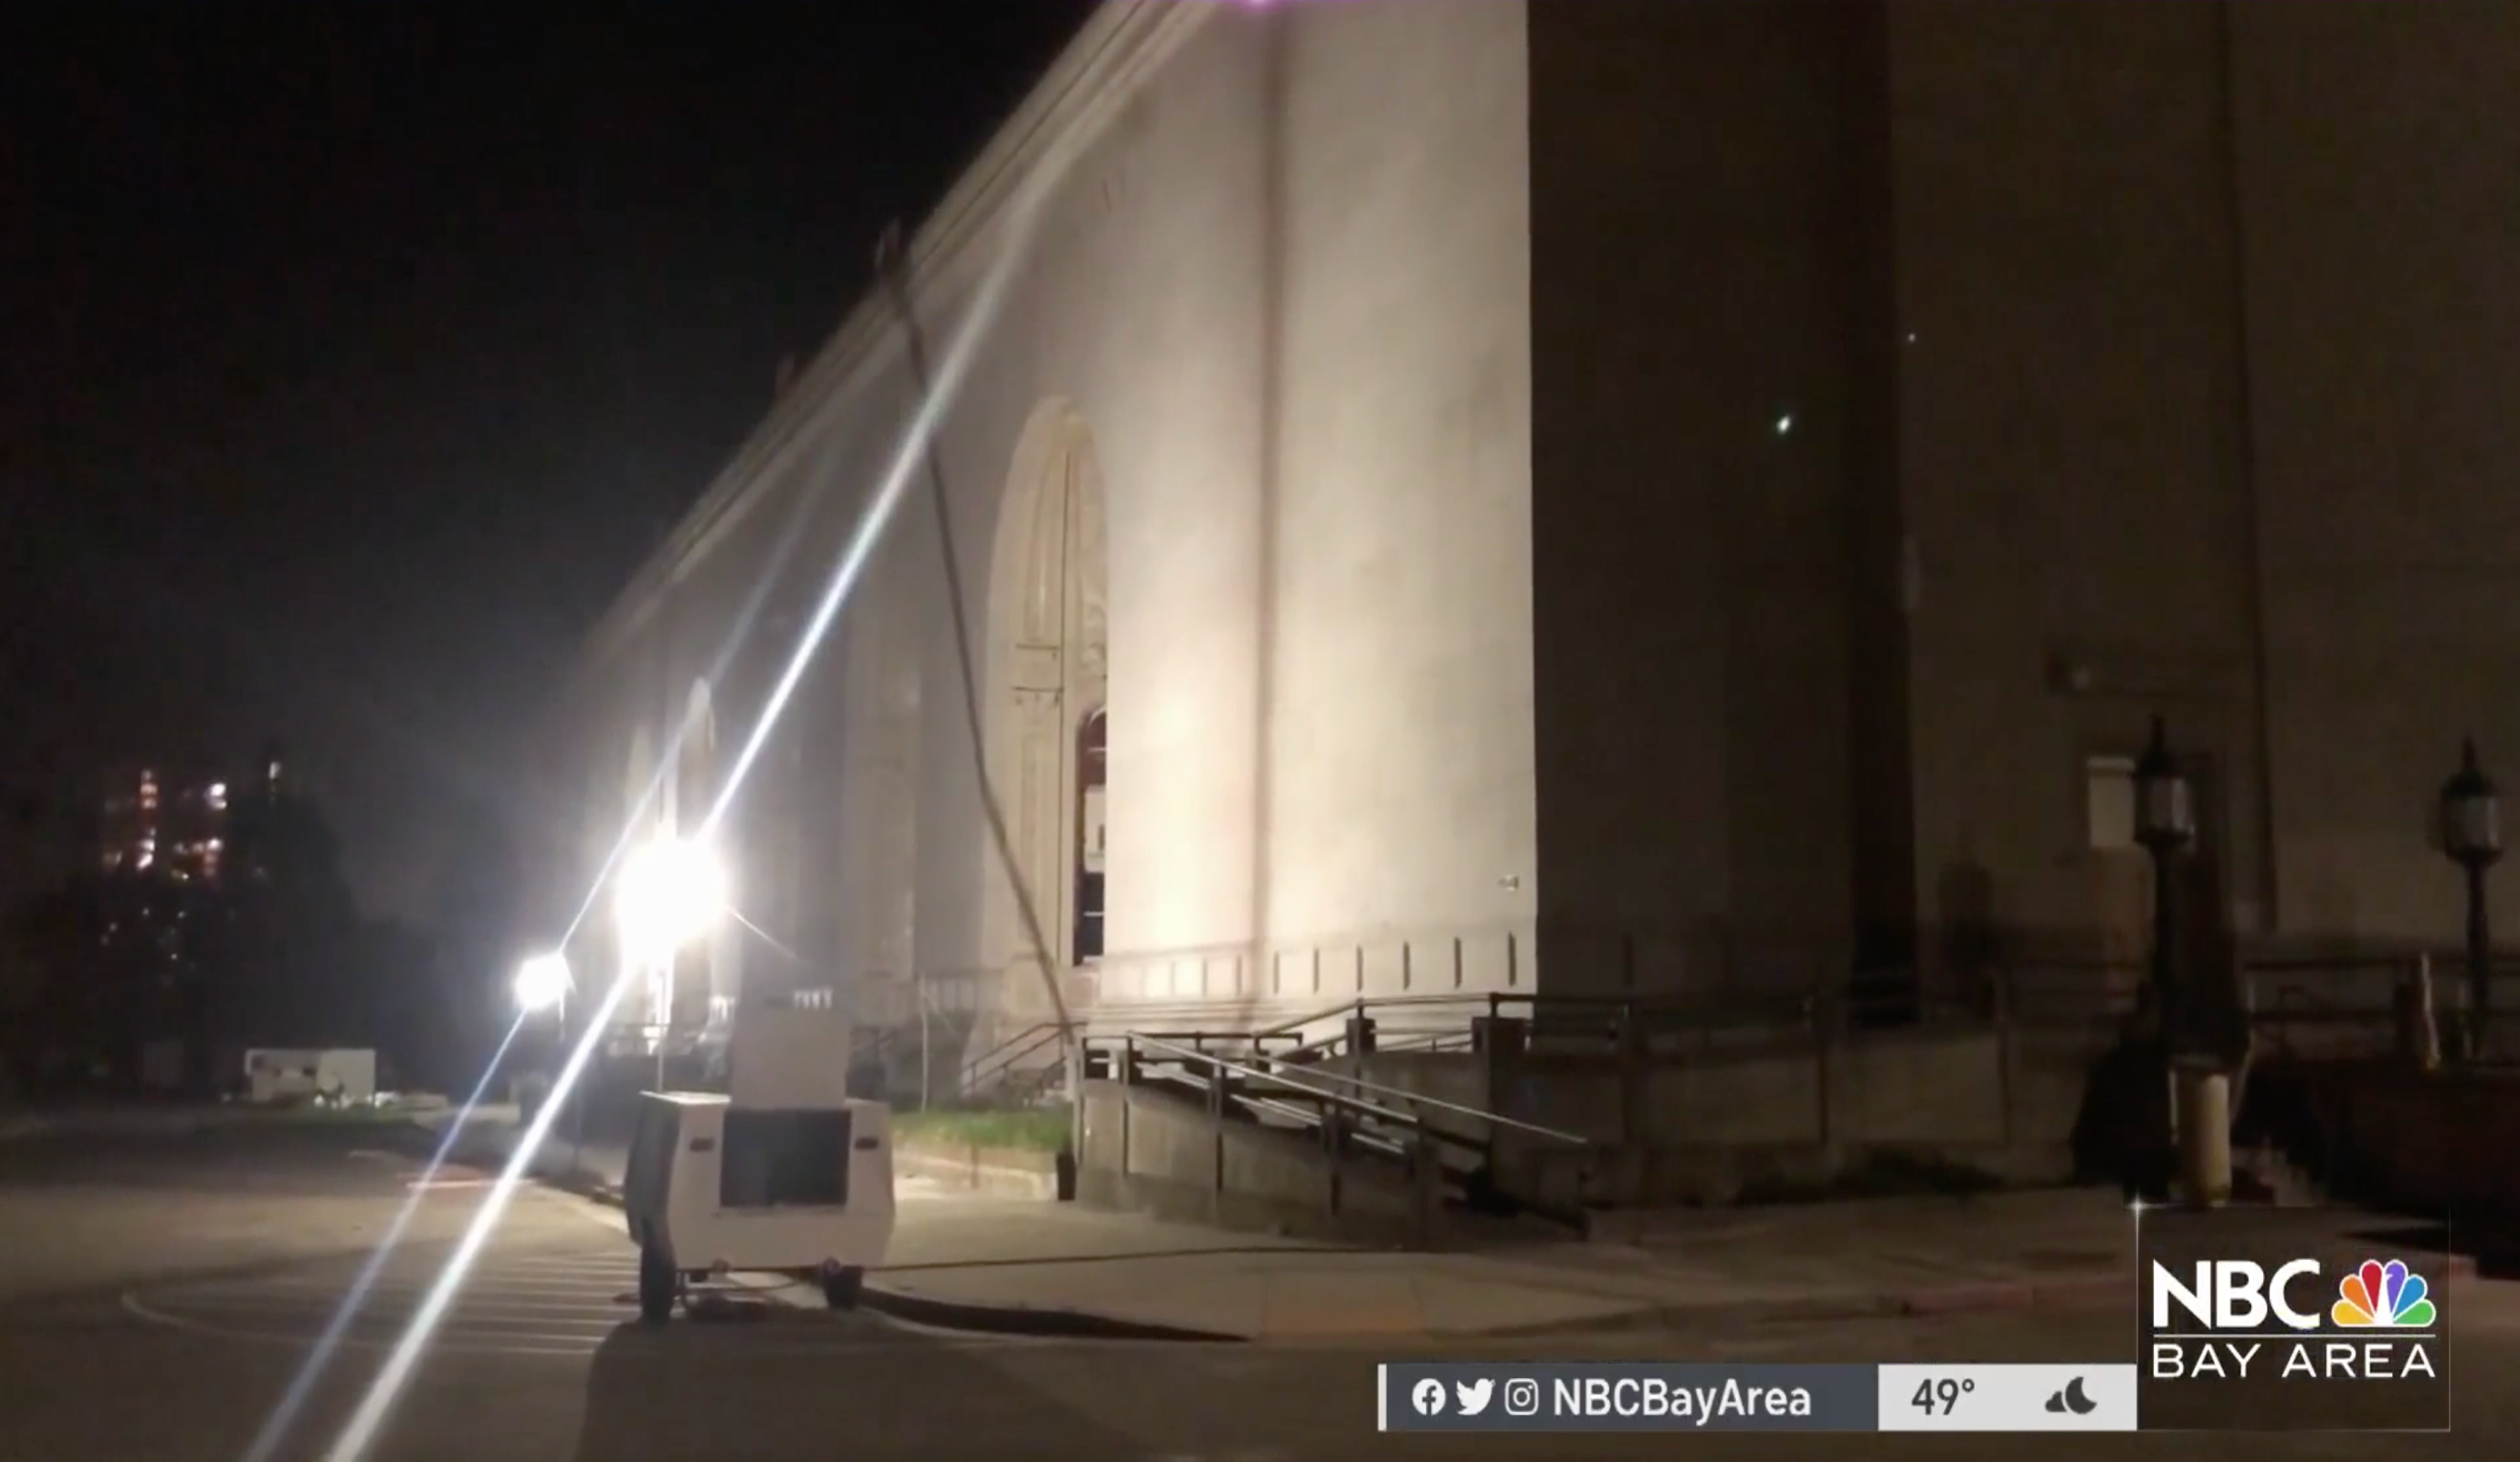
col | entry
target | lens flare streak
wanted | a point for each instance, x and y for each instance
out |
(367, 1422)
(275, 1426)
(387, 1389)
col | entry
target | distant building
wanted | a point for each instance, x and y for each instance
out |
(163, 823)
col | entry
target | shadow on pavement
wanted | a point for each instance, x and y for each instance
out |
(763, 1390)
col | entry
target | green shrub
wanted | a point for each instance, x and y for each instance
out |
(1031, 1128)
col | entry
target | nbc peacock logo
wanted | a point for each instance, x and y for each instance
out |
(2378, 1296)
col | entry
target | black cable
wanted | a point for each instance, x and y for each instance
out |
(892, 264)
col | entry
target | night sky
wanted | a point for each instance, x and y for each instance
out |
(353, 355)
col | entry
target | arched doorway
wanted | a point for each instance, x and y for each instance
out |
(1093, 776)
(1051, 662)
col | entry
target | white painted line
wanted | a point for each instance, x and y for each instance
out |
(396, 1310)
(625, 1262)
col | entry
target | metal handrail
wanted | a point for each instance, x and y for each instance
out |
(1367, 1002)
(1335, 1100)
(1003, 1056)
(1361, 1084)
(1495, 1000)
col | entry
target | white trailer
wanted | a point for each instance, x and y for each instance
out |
(340, 1075)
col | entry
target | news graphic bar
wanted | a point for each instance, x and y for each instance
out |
(1653, 1397)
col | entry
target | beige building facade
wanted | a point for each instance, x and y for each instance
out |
(1570, 496)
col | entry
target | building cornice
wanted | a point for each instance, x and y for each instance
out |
(1121, 45)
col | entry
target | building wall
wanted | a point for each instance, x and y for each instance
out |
(1694, 485)
(2208, 383)
(1314, 468)
(1669, 495)
(2382, 181)
(2126, 350)
(2071, 445)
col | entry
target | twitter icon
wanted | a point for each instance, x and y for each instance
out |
(1473, 1394)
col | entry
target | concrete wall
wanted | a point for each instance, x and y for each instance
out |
(1771, 1111)
(1691, 448)
(2137, 360)
(2379, 188)
(2071, 448)
(1149, 1152)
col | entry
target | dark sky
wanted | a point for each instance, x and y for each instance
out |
(353, 355)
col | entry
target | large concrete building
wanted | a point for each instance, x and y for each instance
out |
(1577, 496)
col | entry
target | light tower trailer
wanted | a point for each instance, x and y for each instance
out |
(715, 1188)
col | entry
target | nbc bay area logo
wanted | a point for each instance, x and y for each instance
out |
(2233, 1318)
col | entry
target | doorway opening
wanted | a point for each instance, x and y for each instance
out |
(1050, 646)
(1093, 775)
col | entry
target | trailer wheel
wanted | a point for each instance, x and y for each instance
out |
(659, 1284)
(840, 1286)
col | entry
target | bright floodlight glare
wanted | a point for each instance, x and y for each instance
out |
(542, 981)
(670, 892)
(365, 1424)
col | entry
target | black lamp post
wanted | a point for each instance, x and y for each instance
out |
(2471, 833)
(2165, 823)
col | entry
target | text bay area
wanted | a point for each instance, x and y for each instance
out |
(2324, 1357)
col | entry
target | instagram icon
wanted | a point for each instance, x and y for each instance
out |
(1521, 1397)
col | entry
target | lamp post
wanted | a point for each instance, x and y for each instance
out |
(2471, 833)
(2165, 823)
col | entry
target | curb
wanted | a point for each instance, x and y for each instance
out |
(1021, 1319)
(1882, 1304)
(2093, 1292)
(496, 1159)
(964, 1176)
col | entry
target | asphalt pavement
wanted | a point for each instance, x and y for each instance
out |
(164, 1293)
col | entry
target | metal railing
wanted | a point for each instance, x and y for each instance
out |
(2287, 995)
(1005, 1065)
